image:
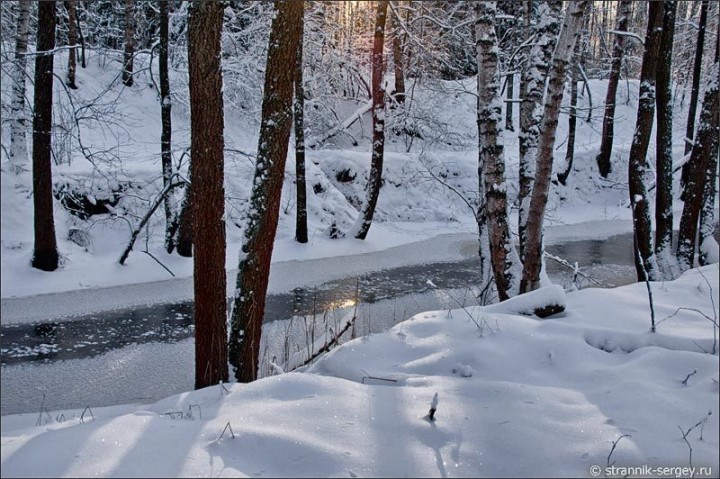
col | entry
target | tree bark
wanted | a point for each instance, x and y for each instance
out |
(532, 90)
(45, 254)
(127, 76)
(301, 227)
(621, 24)
(262, 216)
(362, 225)
(184, 240)
(572, 118)
(166, 120)
(72, 41)
(509, 104)
(694, 93)
(667, 265)
(702, 177)
(82, 38)
(207, 170)
(556, 83)
(490, 147)
(18, 116)
(398, 63)
(645, 261)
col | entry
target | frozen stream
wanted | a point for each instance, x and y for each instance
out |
(143, 354)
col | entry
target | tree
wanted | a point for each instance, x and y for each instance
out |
(645, 261)
(572, 117)
(72, 41)
(491, 162)
(45, 254)
(397, 41)
(667, 265)
(362, 225)
(127, 75)
(608, 131)
(301, 228)
(18, 117)
(166, 120)
(556, 82)
(697, 67)
(532, 90)
(260, 223)
(702, 178)
(207, 171)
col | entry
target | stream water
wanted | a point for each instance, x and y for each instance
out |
(143, 354)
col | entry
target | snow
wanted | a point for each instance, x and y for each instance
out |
(523, 397)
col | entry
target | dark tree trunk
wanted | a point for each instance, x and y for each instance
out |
(45, 254)
(531, 94)
(166, 119)
(690, 130)
(207, 170)
(262, 216)
(556, 83)
(663, 157)
(702, 175)
(572, 119)
(398, 63)
(127, 76)
(621, 24)
(184, 240)
(378, 120)
(491, 150)
(509, 104)
(82, 38)
(301, 227)
(72, 41)
(645, 261)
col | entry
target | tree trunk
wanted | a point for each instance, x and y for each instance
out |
(702, 177)
(207, 169)
(621, 24)
(490, 147)
(127, 76)
(509, 104)
(362, 225)
(532, 90)
(667, 264)
(645, 261)
(82, 38)
(690, 130)
(45, 254)
(398, 63)
(262, 216)
(556, 83)
(72, 41)
(18, 115)
(572, 118)
(166, 120)
(301, 227)
(184, 240)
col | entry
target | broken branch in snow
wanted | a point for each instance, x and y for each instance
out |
(612, 449)
(227, 426)
(349, 121)
(693, 373)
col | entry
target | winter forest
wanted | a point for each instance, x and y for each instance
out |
(362, 238)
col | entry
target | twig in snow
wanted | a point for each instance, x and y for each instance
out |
(87, 409)
(227, 426)
(612, 449)
(693, 373)
(433, 407)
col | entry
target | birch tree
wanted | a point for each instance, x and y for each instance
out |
(532, 263)
(45, 252)
(207, 169)
(608, 131)
(532, 90)
(261, 219)
(491, 161)
(301, 227)
(18, 155)
(645, 260)
(362, 224)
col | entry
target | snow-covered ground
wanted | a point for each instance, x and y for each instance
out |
(517, 397)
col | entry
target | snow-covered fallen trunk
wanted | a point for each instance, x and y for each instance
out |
(542, 302)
